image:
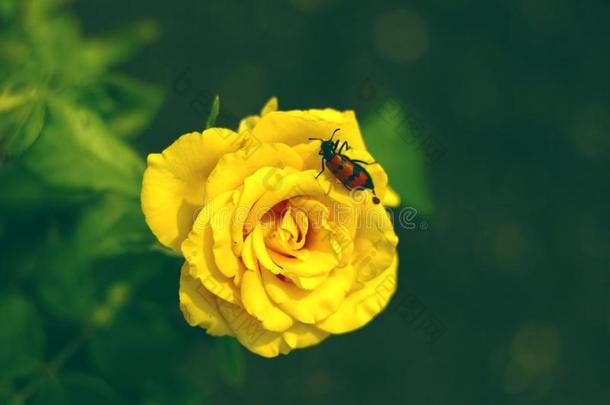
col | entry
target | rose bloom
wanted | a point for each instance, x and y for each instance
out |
(273, 256)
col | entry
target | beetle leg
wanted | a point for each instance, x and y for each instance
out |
(344, 145)
(321, 171)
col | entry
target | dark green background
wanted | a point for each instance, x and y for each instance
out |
(511, 255)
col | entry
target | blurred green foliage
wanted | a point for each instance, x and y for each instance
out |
(61, 102)
(397, 147)
(88, 297)
(514, 262)
(22, 338)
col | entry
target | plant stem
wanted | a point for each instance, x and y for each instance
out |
(50, 369)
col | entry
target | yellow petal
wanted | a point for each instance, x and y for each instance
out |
(362, 305)
(270, 106)
(197, 250)
(317, 264)
(301, 335)
(173, 184)
(310, 306)
(250, 332)
(289, 237)
(222, 247)
(305, 282)
(248, 123)
(254, 187)
(391, 198)
(262, 254)
(247, 253)
(233, 168)
(291, 184)
(198, 305)
(375, 243)
(333, 223)
(257, 303)
(295, 127)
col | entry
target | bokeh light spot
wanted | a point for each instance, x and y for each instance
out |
(535, 347)
(401, 36)
(308, 6)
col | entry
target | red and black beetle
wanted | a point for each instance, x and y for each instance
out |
(348, 171)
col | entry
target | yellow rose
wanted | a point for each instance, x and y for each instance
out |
(274, 256)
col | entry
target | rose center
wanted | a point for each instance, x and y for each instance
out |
(286, 230)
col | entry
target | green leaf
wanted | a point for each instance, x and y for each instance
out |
(49, 393)
(83, 388)
(231, 361)
(9, 101)
(76, 150)
(24, 192)
(159, 248)
(55, 44)
(41, 9)
(21, 337)
(8, 9)
(395, 145)
(173, 391)
(13, 53)
(139, 346)
(135, 104)
(66, 286)
(113, 225)
(127, 105)
(118, 47)
(77, 388)
(214, 111)
(21, 128)
(6, 393)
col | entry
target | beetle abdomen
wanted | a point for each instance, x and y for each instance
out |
(349, 173)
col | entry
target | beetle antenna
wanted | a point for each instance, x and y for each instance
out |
(333, 135)
(316, 139)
